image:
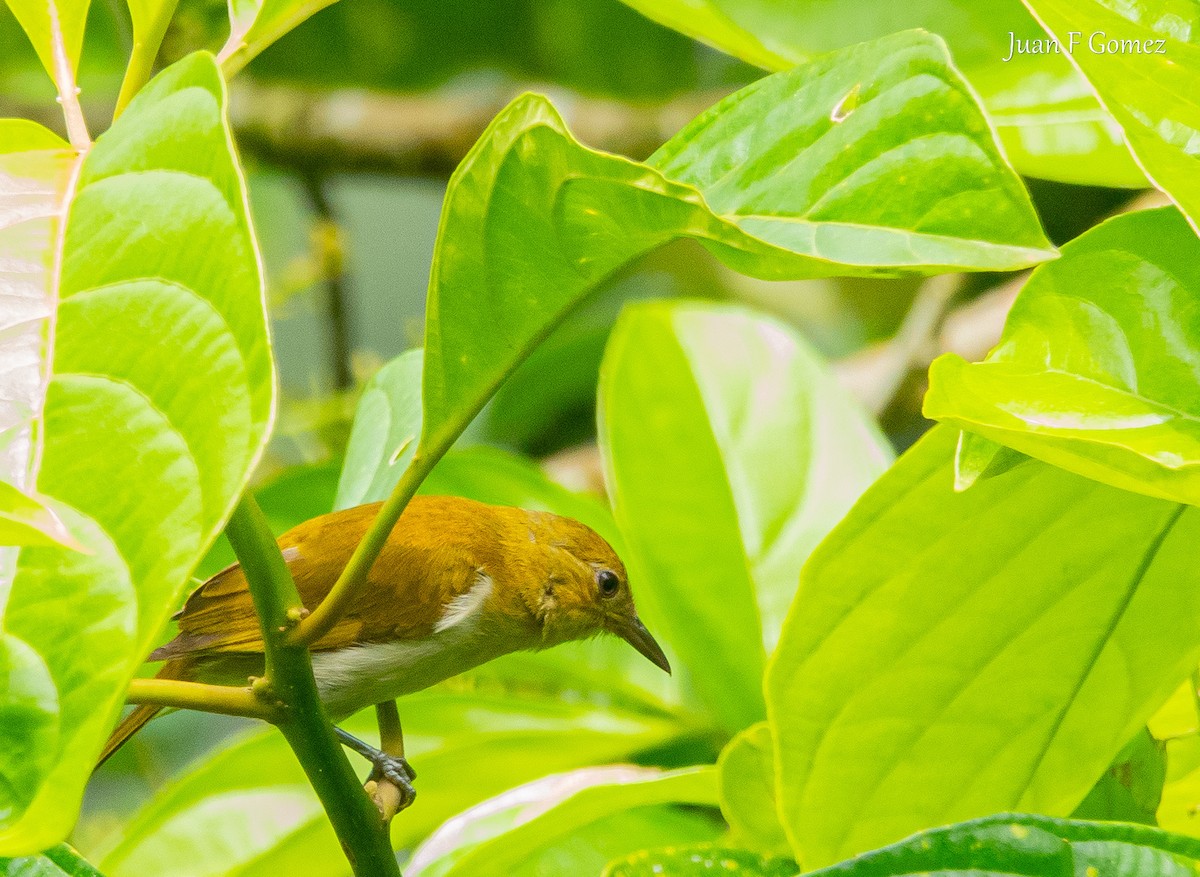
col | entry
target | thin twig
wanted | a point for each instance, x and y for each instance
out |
(331, 253)
(289, 678)
(223, 699)
(386, 794)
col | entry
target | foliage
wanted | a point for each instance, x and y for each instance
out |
(876, 661)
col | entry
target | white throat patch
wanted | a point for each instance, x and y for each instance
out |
(466, 606)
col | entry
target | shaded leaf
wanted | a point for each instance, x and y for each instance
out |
(951, 654)
(1143, 61)
(1030, 846)
(383, 440)
(709, 499)
(255, 24)
(1097, 368)
(746, 773)
(59, 861)
(158, 250)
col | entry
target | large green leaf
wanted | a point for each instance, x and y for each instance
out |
(59, 861)
(248, 810)
(157, 406)
(730, 452)
(1016, 845)
(1048, 119)
(502, 835)
(1143, 60)
(1098, 370)
(24, 520)
(783, 179)
(954, 654)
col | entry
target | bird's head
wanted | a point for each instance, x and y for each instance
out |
(585, 590)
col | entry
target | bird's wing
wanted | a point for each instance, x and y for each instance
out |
(406, 593)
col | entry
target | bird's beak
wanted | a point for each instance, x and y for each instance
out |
(636, 635)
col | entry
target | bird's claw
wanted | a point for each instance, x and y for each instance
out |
(397, 771)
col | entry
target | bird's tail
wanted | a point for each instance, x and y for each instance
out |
(132, 723)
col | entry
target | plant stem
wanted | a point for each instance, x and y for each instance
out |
(304, 724)
(344, 591)
(222, 699)
(145, 50)
(391, 735)
(68, 92)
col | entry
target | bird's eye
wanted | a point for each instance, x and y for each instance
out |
(608, 582)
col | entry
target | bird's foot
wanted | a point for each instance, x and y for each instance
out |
(397, 771)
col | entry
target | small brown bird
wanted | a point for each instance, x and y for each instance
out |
(457, 584)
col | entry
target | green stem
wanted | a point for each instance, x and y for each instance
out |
(145, 50)
(350, 583)
(289, 673)
(222, 699)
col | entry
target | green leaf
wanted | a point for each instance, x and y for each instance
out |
(248, 810)
(383, 440)
(1017, 845)
(59, 861)
(26, 521)
(1143, 61)
(501, 834)
(158, 251)
(693, 401)
(1097, 369)
(255, 24)
(1047, 117)
(1131, 789)
(698, 861)
(533, 221)
(55, 27)
(1179, 809)
(746, 773)
(951, 654)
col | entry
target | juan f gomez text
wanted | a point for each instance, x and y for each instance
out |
(1097, 42)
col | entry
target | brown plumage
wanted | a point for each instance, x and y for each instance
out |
(457, 583)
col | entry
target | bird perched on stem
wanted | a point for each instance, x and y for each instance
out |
(457, 584)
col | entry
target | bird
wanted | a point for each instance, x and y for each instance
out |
(457, 583)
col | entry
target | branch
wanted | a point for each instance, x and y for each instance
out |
(428, 134)
(408, 134)
(223, 699)
(289, 675)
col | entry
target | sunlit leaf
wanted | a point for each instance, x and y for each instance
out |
(158, 251)
(55, 27)
(766, 179)
(953, 654)
(1048, 119)
(694, 403)
(502, 834)
(253, 799)
(1098, 370)
(698, 861)
(26, 521)
(1143, 60)
(255, 24)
